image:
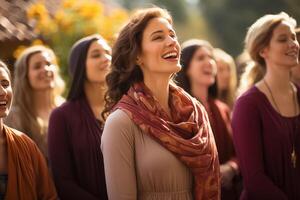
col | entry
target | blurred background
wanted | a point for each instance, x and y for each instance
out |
(59, 23)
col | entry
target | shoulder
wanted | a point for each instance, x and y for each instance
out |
(119, 127)
(66, 109)
(119, 120)
(223, 107)
(21, 137)
(251, 97)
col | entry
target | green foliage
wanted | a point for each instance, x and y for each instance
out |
(231, 18)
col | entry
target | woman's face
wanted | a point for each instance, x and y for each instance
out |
(41, 71)
(202, 69)
(223, 75)
(5, 93)
(283, 49)
(98, 61)
(160, 53)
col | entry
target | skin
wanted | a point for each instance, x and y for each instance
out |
(5, 97)
(97, 67)
(223, 75)
(159, 39)
(41, 71)
(281, 55)
(202, 72)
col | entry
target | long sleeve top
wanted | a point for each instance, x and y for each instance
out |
(138, 167)
(263, 140)
(74, 152)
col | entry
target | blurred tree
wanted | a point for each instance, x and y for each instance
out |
(177, 8)
(71, 21)
(231, 18)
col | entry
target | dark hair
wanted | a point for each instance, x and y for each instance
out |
(189, 48)
(4, 66)
(124, 70)
(77, 65)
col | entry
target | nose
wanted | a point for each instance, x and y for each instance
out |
(3, 92)
(171, 40)
(294, 44)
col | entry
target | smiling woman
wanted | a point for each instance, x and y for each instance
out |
(23, 169)
(157, 142)
(266, 118)
(38, 88)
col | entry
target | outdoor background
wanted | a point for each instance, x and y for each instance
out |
(59, 23)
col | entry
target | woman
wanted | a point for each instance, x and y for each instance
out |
(37, 87)
(198, 78)
(23, 170)
(157, 142)
(75, 127)
(266, 118)
(226, 77)
(296, 70)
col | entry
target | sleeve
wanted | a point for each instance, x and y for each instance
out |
(60, 158)
(247, 135)
(45, 186)
(118, 152)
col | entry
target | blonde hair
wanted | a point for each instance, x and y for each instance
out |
(258, 37)
(23, 92)
(229, 95)
(260, 33)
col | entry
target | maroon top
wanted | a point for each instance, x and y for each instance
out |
(219, 117)
(263, 141)
(75, 155)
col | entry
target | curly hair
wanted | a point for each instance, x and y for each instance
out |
(124, 69)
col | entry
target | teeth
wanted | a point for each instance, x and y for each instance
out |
(172, 54)
(2, 103)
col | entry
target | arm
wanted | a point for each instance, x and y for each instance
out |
(118, 152)
(247, 135)
(60, 157)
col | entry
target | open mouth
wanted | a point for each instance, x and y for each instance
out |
(293, 54)
(3, 103)
(171, 55)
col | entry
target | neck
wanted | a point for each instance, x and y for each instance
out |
(159, 86)
(278, 79)
(42, 100)
(201, 93)
(94, 93)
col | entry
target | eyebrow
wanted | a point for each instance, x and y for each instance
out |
(161, 31)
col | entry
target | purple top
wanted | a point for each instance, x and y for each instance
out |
(75, 156)
(263, 142)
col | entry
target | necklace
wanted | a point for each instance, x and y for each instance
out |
(293, 154)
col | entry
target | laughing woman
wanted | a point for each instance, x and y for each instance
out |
(266, 118)
(157, 142)
(23, 169)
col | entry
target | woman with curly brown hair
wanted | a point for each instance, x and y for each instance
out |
(157, 142)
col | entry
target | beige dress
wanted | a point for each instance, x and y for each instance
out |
(137, 167)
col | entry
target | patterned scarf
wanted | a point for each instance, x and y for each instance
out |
(187, 135)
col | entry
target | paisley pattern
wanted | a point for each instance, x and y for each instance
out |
(187, 134)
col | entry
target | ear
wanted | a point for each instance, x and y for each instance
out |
(138, 61)
(263, 53)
